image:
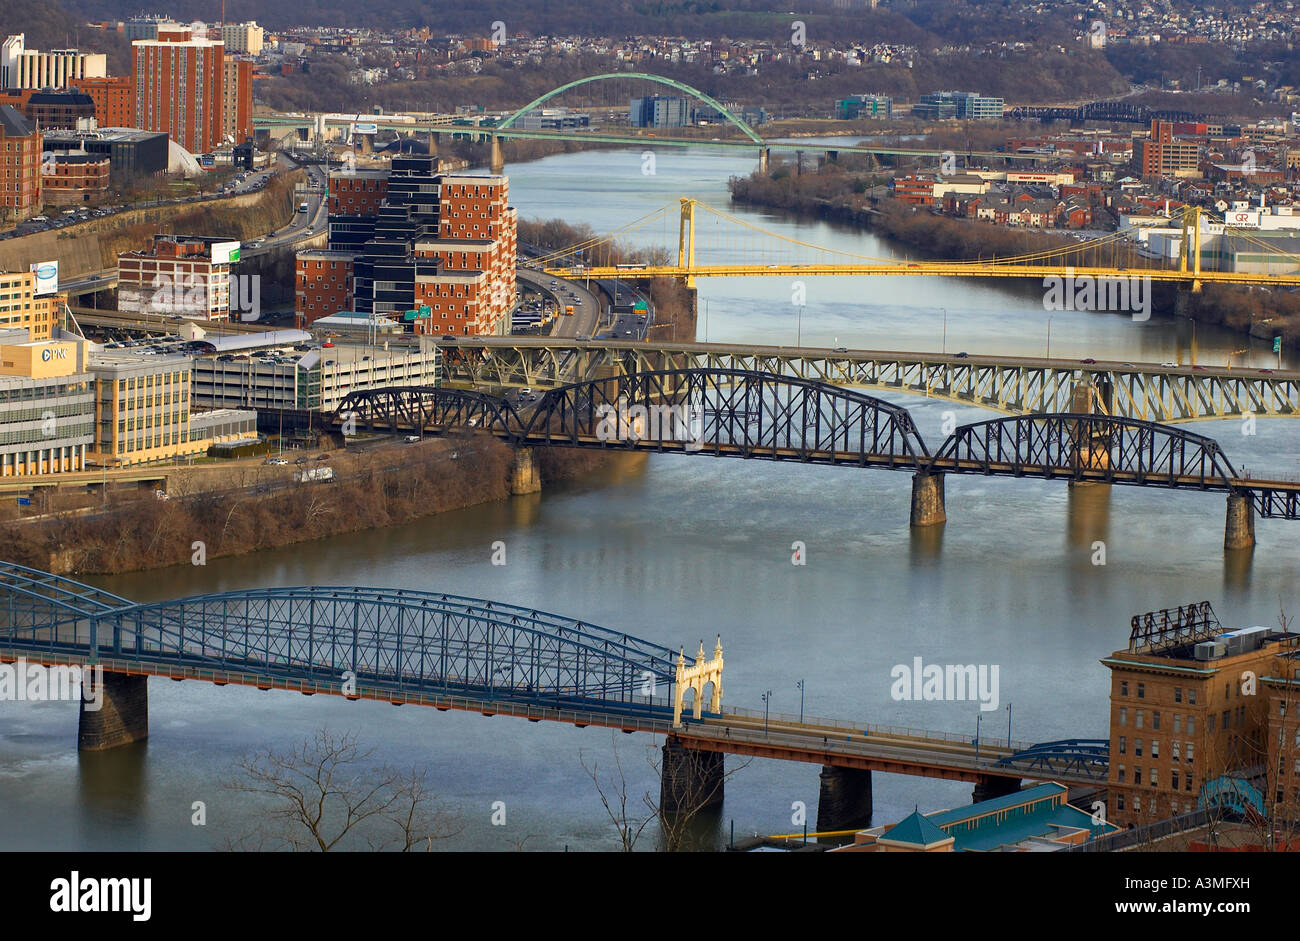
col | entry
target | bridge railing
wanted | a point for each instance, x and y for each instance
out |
(857, 728)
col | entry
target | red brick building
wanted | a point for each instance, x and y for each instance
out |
(114, 99)
(177, 275)
(916, 190)
(180, 88)
(358, 193)
(1162, 155)
(75, 178)
(20, 165)
(323, 285)
(237, 101)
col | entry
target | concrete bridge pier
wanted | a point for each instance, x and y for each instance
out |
(433, 144)
(764, 156)
(690, 779)
(523, 473)
(1239, 531)
(122, 716)
(927, 499)
(990, 786)
(844, 800)
(498, 159)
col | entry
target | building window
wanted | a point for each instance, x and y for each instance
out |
(1120, 778)
(1174, 757)
(1191, 725)
(1137, 747)
(1191, 696)
(1123, 687)
(1178, 694)
(1142, 691)
(1189, 753)
(1119, 802)
(1155, 748)
(1174, 778)
(1123, 743)
(1155, 721)
(1212, 724)
(1138, 723)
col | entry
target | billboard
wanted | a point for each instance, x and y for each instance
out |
(223, 253)
(47, 277)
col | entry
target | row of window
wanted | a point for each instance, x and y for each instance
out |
(1155, 748)
(1153, 778)
(1178, 692)
(1176, 808)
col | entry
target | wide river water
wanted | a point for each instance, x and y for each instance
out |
(675, 549)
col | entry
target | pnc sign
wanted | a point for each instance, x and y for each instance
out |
(54, 352)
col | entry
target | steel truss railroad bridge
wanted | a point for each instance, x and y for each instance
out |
(759, 415)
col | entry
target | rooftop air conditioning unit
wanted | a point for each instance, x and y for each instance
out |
(1209, 650)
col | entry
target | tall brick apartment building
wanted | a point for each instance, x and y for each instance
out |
(20, 166)
(409, 240)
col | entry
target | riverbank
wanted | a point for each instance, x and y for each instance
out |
(848, 193)
(385, 487)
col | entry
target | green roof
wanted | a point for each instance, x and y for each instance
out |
(916, 830)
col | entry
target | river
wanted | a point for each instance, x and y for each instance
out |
(678, 550)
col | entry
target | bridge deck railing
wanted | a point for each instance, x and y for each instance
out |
(859, 728)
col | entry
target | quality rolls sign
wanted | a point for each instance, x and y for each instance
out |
(47, 277)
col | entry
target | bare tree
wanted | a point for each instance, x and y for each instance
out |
(322, 799)
(614, 798)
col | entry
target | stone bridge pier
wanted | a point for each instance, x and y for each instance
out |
(524, 477)
(844, 799)
(990, 786)
(120, 717)
(927, 499)
(1239, 530)
(690, 779)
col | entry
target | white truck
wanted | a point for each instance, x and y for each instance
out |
(318, 474)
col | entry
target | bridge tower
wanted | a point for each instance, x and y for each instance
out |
(1189, 254)
(686, 241)
(764, 157)
(696, 678)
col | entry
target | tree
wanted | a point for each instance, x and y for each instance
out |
(322, 798)
(675, 825)
(614, 798)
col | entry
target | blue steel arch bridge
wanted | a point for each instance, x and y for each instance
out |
(451, 652)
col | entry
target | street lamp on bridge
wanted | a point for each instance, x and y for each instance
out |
(767, 698)
(800, 686)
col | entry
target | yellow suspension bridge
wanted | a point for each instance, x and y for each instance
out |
(757, 252)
